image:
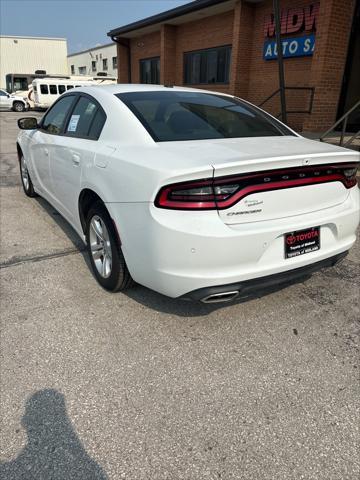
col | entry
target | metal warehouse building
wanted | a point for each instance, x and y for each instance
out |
(229, 46)
(102, 58)
(27, 54)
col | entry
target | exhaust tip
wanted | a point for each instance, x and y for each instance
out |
(220, 297)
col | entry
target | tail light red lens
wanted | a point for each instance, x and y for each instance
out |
(224, 192)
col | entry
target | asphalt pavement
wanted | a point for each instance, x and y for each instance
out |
(138, 386)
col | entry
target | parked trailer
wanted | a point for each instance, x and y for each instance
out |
(46, 90)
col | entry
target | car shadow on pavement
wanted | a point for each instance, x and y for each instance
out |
(53, 451)
(150, 298)
(184, 308)
(61, 222)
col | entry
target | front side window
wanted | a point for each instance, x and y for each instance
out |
(150, 70)
(44, 89)
(55, 118)
(207, 66)
(175, 115)
(53, 90)
(87, 119)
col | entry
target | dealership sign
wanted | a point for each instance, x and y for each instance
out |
(293, 20)
(291, 47)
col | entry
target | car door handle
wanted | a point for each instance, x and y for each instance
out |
(75, 159)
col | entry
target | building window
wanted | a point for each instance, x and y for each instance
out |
(105, 64)
(114, 62)
(207, 66)
(150, 70)
(72, 69)
(82, 70)
(93, 66)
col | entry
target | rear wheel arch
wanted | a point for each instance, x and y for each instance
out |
(87, 199)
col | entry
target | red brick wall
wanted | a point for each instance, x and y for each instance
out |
(243, 26)
(264, 79)
(168, 54)
(205, 33)
(329, 61)
(146, 46)
(251, 77)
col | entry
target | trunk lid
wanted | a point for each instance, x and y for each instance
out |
(282, 165)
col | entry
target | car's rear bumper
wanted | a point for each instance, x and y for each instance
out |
(176, 253)
(257, 287)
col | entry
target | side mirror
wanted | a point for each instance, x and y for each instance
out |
(28, 123)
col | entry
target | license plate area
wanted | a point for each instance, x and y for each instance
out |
(301, 242)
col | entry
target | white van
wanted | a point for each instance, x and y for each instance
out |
(46, 90)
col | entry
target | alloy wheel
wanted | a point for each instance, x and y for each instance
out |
(24, 174)
(100, 246)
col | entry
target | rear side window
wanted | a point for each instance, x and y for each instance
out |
(44, 89)
(53, 90)
(61, 89)
(55, 118)
(87, 119)
(97, 124)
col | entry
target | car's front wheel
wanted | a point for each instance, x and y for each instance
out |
(107, 260)
(18, 107)
(25, 179)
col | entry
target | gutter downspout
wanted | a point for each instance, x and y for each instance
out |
(125, 44)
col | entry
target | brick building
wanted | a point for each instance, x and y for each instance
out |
(229, 46)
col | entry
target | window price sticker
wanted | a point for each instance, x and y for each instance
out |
(74, 120)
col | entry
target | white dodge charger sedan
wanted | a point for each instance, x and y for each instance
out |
(192, 193)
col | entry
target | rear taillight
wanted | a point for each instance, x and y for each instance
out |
(224, 192)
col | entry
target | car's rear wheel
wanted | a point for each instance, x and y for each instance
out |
(107, 260)
(25, 179)
(18, 107)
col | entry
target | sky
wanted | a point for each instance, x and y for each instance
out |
(84, 23)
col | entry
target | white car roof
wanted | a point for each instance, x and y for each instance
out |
(134, 87)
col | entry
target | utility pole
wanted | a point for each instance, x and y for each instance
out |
(280, 60)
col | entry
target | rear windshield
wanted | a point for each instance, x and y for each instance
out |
(175, 115)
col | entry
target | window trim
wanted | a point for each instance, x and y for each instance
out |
(156, 57)
(229, 45)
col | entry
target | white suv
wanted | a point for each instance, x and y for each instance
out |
(12, 102)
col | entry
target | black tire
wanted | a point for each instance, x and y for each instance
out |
(28, 186)
(18, 107)
(119, 279)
